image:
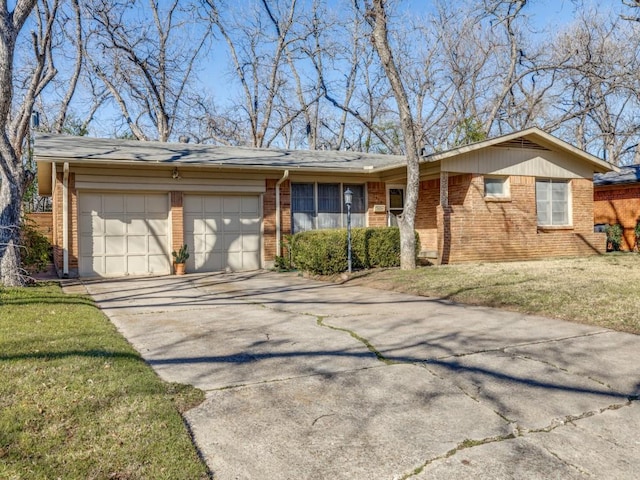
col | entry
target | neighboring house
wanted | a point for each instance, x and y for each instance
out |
(120, 207)
(617, 200)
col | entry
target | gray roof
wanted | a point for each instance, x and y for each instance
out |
(628, 174)
(97, 150)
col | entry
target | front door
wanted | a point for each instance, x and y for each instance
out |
(395, 203)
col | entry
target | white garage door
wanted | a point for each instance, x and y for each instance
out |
(124, 234)
(222, 232)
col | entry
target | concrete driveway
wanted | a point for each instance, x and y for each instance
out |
(307, 380)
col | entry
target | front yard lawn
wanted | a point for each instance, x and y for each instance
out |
(601, 290)
(77, 401)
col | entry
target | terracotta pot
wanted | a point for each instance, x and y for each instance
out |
(179, 268)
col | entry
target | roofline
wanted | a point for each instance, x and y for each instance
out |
(532, 131)
(43, 156)
(217, 165)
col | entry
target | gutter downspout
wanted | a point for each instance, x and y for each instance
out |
(65, 221)
(278, 226)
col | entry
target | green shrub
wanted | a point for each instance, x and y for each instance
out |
(36, 249)
(614, 237)
(324, 252)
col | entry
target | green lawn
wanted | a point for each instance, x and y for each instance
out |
(77, 401)
(601, 290)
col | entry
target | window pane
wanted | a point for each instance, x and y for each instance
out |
(543, 202)
(358, 208)
(396, 198)
(302, 221)
(552, 202)
(329, 198)
(357, 220)
(495, 187)
(302, 206)
(302, 197)
(559, 203)
(357, 204)
(329, 207)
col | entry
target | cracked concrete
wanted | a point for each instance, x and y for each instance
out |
(312, 380)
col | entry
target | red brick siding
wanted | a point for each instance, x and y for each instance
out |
(376, 195)
(426, 223)
(481, 230)
(269, 214)
(43, 223)
(73, 223)
(269, 220)
(177, 221)
(618, 204)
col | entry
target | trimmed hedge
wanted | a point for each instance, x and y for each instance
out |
(324, 252)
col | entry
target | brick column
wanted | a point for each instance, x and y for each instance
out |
(177, 221)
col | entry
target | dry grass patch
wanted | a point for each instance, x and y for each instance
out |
(602, 290)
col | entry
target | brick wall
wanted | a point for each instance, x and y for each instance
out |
(618, 204)
(476, 229)
(426, 223)
(376, 195)
(269, 220)
(43, 223)
(57, 234)
(269, 213)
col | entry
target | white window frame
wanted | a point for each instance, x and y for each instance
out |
(569, 203)
(506, 188)
(343, 208)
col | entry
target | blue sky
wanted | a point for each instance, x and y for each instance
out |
(214, 77)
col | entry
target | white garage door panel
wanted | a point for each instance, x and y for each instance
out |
(222, 232)
(124, 234)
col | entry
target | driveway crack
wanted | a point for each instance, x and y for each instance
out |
(364, 341)
(465, 444)
(571, 419)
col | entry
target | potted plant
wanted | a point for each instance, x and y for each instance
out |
(179, 259)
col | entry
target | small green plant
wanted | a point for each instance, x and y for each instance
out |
(637, 233)
(181, 255)
(614, 237)
(36, 249)
(284, 262)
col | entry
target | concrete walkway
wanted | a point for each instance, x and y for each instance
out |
(307, 380)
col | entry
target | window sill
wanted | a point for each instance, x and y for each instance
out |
(554, 228)
(497, 199)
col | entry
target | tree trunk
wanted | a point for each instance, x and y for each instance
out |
(406, 221)
(12, 172)
(10, 201)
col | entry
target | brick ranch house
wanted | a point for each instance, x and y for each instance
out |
(617, 200)
(120, 207)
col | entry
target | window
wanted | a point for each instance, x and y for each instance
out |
(302, 206)
(496, 187)
(553, 202)
(396, 204)
(321, 205)
(330, 203)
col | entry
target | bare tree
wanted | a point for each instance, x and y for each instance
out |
(353, 81)
(258, 53)
(376, 15)
(600, 85)
(146, 67)
(19, 92)
(634, 6)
